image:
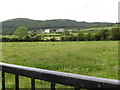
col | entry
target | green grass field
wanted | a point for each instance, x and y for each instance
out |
(53, 34)
(95, 29)
(92, 58)
(8, 36)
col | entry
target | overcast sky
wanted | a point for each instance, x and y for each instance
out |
(79, 10)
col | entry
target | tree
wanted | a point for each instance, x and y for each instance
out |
(28, 38)
(115, 33)
(37, 38)
(65, 33)
(102, 35)
(80, 36)
(92, 38)
(34, 34)
(53, 39)
(105, 34)
(73, 38)
(5, 39)
(21, 32)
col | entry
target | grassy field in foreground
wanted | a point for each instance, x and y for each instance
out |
(92, 58)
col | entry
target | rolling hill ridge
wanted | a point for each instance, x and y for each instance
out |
(9, 26)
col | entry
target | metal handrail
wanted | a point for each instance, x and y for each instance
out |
(75, 80)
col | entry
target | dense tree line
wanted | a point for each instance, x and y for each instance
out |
(113, 34)
(103, 35)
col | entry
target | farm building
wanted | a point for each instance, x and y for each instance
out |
(29, 32)
(47, 31)
(60, 30)
(70, 30)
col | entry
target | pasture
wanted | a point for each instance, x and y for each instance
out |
(92, 58)
(93, 30)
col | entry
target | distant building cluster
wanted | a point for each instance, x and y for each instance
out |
(51, 31)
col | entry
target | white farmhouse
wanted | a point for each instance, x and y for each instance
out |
(60, 30)
(70, 30)
(47, 31)
(29, 32)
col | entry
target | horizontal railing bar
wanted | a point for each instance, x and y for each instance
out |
(75, 80)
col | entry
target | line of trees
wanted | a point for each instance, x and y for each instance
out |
(113, 34)
(22, 35)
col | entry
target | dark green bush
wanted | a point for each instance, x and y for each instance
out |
(4, 39)
(14, 40)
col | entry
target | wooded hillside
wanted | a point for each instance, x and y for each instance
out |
(9, 26)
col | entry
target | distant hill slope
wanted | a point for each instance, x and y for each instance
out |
(9, 26)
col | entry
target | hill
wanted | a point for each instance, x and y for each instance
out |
(9, 26)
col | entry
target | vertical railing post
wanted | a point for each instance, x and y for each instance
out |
(3, 80)
(32, 84)
(77, 88)
(52, 86)
(16, 82)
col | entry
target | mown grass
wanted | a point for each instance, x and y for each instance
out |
(92, 58)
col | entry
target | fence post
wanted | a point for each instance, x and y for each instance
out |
(16, 82)
(52, 86)
(77, 88)
(32, 84)
(3, 80)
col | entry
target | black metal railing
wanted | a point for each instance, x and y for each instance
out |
(55, 77)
